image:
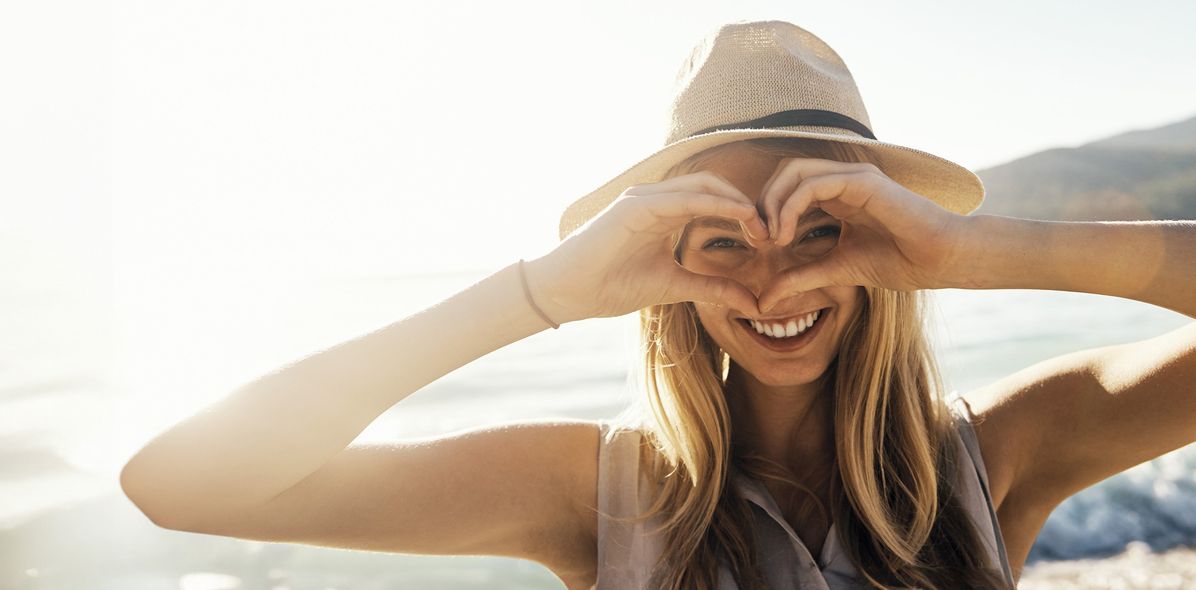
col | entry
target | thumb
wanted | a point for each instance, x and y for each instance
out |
(689, 286)
(823, 272)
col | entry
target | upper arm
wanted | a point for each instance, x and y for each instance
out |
(521, 490)
(1061, 425)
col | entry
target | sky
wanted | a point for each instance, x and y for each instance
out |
(197, 142)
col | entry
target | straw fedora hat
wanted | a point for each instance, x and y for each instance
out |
(775, 79)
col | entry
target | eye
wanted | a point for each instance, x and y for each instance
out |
(823, 231)
(720, 244)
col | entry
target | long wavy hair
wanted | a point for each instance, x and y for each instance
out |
(894, 464)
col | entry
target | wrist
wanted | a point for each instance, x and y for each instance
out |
(998, 252)
(531, 300)
(967, 253)
(542, 293)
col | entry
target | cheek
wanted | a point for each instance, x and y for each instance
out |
(721, 264)
(714, 320)
(706, 313)
(846, 297)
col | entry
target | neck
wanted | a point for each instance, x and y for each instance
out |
(792, 425)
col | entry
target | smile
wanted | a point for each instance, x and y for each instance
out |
(785, 334)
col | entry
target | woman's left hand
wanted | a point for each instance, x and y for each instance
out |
(891, 237)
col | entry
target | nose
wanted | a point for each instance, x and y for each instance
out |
(768, 261)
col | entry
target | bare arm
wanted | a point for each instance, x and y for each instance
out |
(267, 436)
(1069, 422)
(273, 432)
(1151, 261)
(273, 460)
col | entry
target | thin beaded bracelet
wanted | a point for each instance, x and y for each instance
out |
(528, 292)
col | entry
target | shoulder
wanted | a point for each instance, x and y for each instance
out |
(599, 465)
(568, 450)
(597, 462)
(1012, 417)
(994, 426)
(624, 455)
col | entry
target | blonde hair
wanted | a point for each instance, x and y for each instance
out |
(895, 512)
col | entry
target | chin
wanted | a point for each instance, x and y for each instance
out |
(790, 376)
(788, 381)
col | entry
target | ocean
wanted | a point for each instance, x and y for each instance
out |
(87, 380)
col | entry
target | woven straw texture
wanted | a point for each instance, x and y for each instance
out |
(747, 70)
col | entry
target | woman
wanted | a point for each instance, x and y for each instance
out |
(795, 432)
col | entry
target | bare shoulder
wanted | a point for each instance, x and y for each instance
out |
(567, 451)
(1068, 422)
(994, 425)
(1010, 416)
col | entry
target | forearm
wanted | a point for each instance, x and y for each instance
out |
(1150, 261)
(271, 433)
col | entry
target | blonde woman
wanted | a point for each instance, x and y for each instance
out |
(793, 431)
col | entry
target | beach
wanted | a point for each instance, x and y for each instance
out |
(64, 524)
(1137, 568)
(106, 544)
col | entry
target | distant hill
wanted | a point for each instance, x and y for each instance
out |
(1144, 174)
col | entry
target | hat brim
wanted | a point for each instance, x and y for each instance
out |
(950, 185)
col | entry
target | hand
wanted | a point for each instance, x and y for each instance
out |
(890, 237)
(622, 259)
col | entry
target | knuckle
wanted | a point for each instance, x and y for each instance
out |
(714, 177)
(870, 168)
(712, 181)
(621, 206)
(632, 190)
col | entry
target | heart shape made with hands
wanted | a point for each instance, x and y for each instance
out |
(889, 236)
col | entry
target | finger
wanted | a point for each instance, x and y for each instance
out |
(706, 180)
(840, 195)
(784, 179)
(791, 173)
(688, 286)
(682, 207)
(756, 236)
(823, 272)
(713, 183)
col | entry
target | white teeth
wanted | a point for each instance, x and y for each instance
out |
(787, 330)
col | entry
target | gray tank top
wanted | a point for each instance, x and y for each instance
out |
(626, 553)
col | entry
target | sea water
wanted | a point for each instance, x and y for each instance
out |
(79, 393)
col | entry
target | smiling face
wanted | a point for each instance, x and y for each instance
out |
(717, 247)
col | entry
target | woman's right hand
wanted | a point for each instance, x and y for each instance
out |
(622, 259)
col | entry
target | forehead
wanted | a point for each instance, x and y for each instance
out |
(748, 170)
(745, 168)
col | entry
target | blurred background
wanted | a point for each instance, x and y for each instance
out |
(192, 194)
